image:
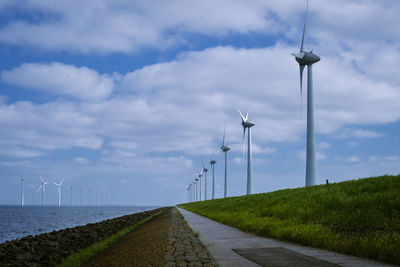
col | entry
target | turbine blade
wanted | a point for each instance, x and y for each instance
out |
(301, 89)
(304, 30)
(212, 156)
(241, 116)
(41, 178)
(247, 115)
(203, 165)
(40, 186)
(62, 180)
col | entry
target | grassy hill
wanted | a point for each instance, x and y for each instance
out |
(359, 217)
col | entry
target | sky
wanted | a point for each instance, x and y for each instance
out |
(127, 98)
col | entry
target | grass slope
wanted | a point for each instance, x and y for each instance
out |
(360, 217)
(82, 256)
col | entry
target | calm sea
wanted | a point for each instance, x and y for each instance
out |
(17, 222)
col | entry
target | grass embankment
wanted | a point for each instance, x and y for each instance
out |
(360, 217)
(82, 256)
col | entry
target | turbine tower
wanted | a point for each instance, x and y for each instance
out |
(22, 192)
(193, 192)
(247, 124)
(225, 149)
(212, 162)
(308, 59)
(59, 191)
(205, 170)
(196, 180)
(43, 187)
(200, 175)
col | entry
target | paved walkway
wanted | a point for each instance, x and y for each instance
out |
(222, 240)
(184, 248)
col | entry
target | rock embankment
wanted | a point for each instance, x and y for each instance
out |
(50, 249)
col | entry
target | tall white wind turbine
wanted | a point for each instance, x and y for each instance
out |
(59, 191)
(43, 187)
(212, 162)
(225, 149)
(205, 170)
(247, 124)
(22, 192)
(308, 59)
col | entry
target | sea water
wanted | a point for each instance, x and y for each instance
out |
(17, 222)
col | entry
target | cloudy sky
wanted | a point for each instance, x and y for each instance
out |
(127, 97)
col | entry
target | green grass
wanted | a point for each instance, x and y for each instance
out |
(82, 256)
(360, 217)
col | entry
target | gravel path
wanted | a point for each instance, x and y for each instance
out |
(166, 240)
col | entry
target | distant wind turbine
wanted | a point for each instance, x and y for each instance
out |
(22, 192)
(225, 149)
(193, 191)
(43, 187)
(188, 193)
(212, 162)
(247, 124)
(200, 175)
(308, 59)
(59, 191)
(196, 179)
(205, 170)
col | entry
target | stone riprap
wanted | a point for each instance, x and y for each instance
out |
(52, 248)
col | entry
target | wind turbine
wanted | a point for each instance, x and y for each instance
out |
(59, 191)
(308, 59)
(188, 193)
(205, 170)
(247, 124)
(200, 175)
(43, 187)
(195, 184)
(225, 149)
(22, 192)
(212, 162)
(193, 191)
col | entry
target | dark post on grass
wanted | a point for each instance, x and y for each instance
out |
(327, 182)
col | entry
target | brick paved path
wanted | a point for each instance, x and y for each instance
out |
(184, 248)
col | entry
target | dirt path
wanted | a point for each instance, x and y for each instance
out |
(166, 240)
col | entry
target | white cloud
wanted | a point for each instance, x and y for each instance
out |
(366, 134)
(353, 159)
(61, 79)
(81, 160)
(119, 26)
(392, 158)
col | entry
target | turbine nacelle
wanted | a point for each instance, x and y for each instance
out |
(212, 162)
(248, 124)
(225, 148)
(306, 58)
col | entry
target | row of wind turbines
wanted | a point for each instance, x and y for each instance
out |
(304, 59)
(195, 185)
(42, 187)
